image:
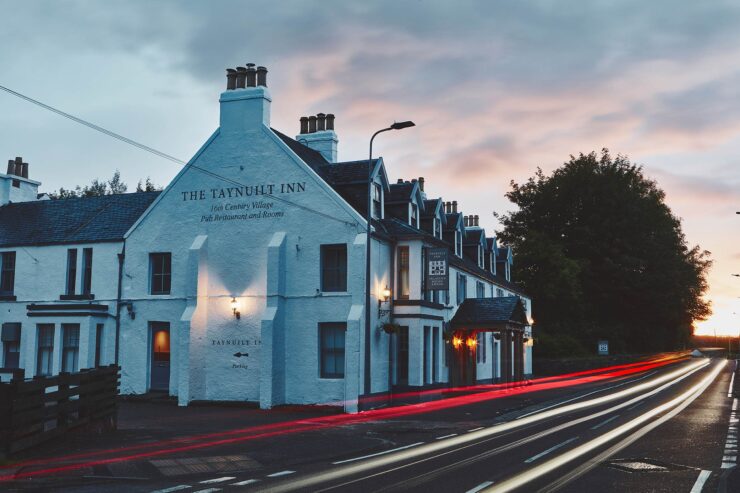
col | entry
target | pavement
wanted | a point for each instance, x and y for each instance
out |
(647, 428)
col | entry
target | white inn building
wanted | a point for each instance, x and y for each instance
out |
(244, 279)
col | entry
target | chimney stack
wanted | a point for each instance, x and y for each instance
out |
(230, 79)
(317, 132)
(243, 104)
(251, 75)
(241, 76)
(454, 206)
(261, 76)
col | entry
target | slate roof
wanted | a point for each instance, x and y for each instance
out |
(477, 313)
(472, 236)
(309, 156)
(346, 173)
(430, 206)
(400, 192)
(78, 220)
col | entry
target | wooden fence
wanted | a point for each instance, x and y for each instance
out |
(34, 411)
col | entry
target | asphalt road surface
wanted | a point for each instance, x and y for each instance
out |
(667, 425)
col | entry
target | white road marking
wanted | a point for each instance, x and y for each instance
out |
(551, 449)
(703, 476)
(218, 480)
(278, 474)
(208, 490)
(476, 429)
(645, 390)
(604, 422)
(378, 453)
(244, 483)
(174, 488)
(480, 487)
(636, 405)
(732, 385)
(446, 436)
(674, 407)
(582, 396)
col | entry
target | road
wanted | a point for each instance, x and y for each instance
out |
(661, 426)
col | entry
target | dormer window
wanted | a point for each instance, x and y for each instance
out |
(492, 263)
(414, 215)
(377, 201)
(458, 243)
(480, 257)
(437, 233)
(508, 271)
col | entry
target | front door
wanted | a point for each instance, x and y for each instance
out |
(160, 351)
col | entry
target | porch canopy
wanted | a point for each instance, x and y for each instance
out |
(490, 314)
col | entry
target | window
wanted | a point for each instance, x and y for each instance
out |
(87, 255)
(481, 263)
(462, 282)
(99, 344)
(70, 347)
(160, 268)
(480, 290)
(492, 263)
(377, 201)
(436, 227)
(458, 243)
(334, 268)
(331, 337)
(481, 347)
(508, 271)
(403, 273)
(414, 215)
(16, 183)
(499, 292)
(71, 271)
(45, 354)
(7, 273)
(11, 338)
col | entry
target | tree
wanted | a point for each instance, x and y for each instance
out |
(603, 256)
(96, 188)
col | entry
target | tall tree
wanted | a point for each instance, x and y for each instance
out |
(603, 256)
(97, 188)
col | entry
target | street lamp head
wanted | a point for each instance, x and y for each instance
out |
(401, 125)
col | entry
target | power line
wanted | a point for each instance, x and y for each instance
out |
(161, 154)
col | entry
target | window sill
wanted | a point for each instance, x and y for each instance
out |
(7, 297)
(76, 297)
(333, 293)
(337, 379)
(159, 294)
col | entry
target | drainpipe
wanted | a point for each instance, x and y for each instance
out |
(121, 257)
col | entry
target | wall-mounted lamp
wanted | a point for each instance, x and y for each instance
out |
(471, 342)
(456, 342)
(386, 293)
(234, 308)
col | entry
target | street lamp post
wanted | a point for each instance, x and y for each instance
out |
(368, 217)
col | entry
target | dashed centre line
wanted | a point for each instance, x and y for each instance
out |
(476, 429)
(551, 449)
(244, 483)
(174, 488)
(596, 427)
(218, 480)
(278, 474)
(480, 487)
(377, 454)
(446, 436)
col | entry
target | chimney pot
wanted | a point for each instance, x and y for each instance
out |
(400, 181)
(241, 76)
(262, 76)
(454, 206)
(304, 125)
(251, 75)
(23, 171)
(330, 121)
(421, 183)
(466, 221)
(476, 219)
(311, 124)
(320, 122)
(11, 167)
(230, 79)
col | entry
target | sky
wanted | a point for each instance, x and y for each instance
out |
(496, 88)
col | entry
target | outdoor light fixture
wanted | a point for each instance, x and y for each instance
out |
(456, 342)
(234, 306)
(386, 298)
(471, 342)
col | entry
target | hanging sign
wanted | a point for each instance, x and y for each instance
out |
(438, 276)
